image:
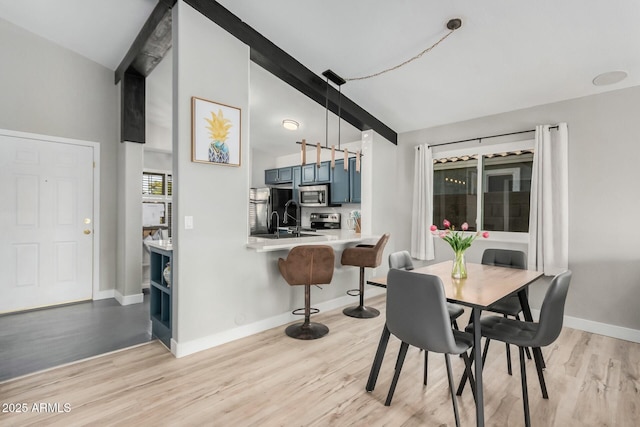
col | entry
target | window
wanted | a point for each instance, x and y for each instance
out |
(455, 196)
(156, 200)
(506, 192)
(153, 183)
(502, 178)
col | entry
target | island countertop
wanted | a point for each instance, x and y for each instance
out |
(165, 245)
(320, 237)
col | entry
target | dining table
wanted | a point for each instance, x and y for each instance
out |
(484, 286)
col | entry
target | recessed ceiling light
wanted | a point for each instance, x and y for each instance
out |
(609, 78)
(290, 124)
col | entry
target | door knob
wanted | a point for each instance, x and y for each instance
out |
(87, 231)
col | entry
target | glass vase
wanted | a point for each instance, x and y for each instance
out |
(459, 270)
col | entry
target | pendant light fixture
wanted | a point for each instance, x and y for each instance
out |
(338, 81)
(452, 25)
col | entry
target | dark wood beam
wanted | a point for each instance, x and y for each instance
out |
(132, 110)
(288, 69)
(148, 49)
(151, 44)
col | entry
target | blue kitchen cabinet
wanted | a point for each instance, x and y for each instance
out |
(340, 184)
(355, 182)
(278, 176)
(309, 173)
(297, 180)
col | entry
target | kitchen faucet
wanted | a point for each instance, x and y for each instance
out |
(275, 229)
(297, 217)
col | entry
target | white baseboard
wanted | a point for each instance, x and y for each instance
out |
(186, 348)
(129, 299)
(111, 293)
(605, 329)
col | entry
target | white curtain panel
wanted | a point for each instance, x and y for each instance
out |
(549, 211)
(422, 213)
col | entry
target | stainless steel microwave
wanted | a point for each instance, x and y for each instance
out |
(314, 195)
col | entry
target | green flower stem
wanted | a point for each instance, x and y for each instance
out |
(459, 270)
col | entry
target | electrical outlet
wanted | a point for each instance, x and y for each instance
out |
(188, 222)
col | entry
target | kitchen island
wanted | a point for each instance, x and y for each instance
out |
(319, 237)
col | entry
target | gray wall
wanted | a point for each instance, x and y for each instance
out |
(604, 147)
(49, 90)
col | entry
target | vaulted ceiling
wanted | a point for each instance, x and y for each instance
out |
(507, 55)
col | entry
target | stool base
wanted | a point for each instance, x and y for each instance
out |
(361, 312)
(308, 331)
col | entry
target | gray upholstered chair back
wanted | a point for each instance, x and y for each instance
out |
(400, 260)
(552, 311)
(417, 313)
(505, 258)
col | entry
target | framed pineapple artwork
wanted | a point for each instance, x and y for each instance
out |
(215, 133)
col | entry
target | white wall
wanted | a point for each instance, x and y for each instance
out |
(222, 289)
(603, 197)
(49, 90)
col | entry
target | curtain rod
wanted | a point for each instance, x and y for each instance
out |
(480, 138)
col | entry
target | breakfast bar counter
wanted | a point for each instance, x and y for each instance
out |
(326, 237)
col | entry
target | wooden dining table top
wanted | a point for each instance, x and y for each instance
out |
(484, 285)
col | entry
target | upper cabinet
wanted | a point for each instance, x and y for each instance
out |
(340, 184)
(312, 174)
(278, 176)
(345, 185)
(297, 179)
(355, 181)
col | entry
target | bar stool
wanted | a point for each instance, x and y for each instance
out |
(307, 265)
(363, 256)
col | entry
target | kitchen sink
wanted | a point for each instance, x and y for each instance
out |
(283, 235)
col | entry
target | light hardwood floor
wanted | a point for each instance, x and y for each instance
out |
(270, 379)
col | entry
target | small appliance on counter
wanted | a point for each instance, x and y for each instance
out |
(325, 221)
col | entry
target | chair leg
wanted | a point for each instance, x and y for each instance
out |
(537, 354)
(377, 360)
(403, 352)
(360, 311)
(525, 396)
(453, 396)
(465, 376)
(508, 355)
(426, 365)
(526, 349)
(469, 374)
(307, 330)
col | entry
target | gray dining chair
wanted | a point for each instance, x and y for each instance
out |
(417, 315)
(510, 305)
(402, 260)
(531, 334)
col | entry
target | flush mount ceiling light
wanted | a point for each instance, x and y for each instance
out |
(609, 78)
(290, 124)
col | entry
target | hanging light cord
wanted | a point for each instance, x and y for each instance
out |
(405, 62)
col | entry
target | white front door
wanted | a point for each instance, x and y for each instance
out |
(46, 223)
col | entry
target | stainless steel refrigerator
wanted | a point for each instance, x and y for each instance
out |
(264, 201)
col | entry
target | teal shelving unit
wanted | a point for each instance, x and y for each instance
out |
(160, 293)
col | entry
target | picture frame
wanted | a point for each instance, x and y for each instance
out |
(215, 133)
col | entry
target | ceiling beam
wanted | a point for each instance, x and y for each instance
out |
(151, 44)
(148, 49)
(132, 111)
(275, 60)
